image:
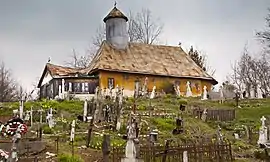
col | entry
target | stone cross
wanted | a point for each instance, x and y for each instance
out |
(252, 93)
(221, 95)
(153, 93)
(72, 132)
(263, 119)
(177, 90)
(137, 89)
(204, 93)
(144, 88)
(188, 92)
(40, 113)
(259, 92)
(85, 110)
(204, 115)
(263, 132)
(21, 109)
(27, 116)
(219, 134)
(185, 156)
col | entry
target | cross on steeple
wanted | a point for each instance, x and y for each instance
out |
(115, 3)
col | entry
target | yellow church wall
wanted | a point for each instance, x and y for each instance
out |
(127, 81)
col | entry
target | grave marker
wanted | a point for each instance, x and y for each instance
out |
(188, 92)
(85, 111)
(204, 93)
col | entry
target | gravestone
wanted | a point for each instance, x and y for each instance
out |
(188, 92)
(144, 88)
(204, 93)
(219, 134)
(21, 108)
(221, 95)
(72, 132)
(185, 156)
(236, 135)
(259, 92)
(204, 115)
(153, 93)
(130, 152)
(177, 90)
(85, 110)
(252, 93)
(263, 132)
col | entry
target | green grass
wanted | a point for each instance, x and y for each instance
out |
(249, 114)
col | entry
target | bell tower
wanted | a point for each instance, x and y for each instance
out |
(116, 28)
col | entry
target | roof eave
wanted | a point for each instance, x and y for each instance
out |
(211, 79)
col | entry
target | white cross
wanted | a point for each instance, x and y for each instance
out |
(263, 119)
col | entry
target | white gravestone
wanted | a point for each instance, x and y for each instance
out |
(204, 93)
(130, 146)
(153, 93)
(221, 94)
(21, 109)
(85, 110)
(72, 132)
(263, 132)
(188, 93)
(27, 116)
(177, 90)
(259, 93)
(144, 88)
(185, 156)
(252, 93)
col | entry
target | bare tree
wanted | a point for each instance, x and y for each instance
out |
(264, 35)
(148, 28)
(100, 36)
(8, 86)
(250, 72)
(79, 61)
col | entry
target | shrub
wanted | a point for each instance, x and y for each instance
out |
(47, 130)
(69, 158)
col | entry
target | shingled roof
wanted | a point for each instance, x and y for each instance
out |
(115, 13)
(57, 71)
(148, 59)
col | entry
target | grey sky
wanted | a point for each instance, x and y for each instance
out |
(33, 30)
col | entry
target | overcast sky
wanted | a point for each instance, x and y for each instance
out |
(33, 30)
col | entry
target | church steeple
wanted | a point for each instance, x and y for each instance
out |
(115, 13)
(116, 28)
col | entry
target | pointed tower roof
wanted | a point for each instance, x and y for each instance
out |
(115, 13)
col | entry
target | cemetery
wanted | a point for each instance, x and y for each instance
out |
(147, 127)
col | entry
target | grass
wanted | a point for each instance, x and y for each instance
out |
(249, 114)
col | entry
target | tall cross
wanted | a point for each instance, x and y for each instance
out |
(115, 3)
(263, 121)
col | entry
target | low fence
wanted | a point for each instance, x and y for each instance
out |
(216, 114)
(193, 153)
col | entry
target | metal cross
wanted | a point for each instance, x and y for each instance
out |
(115, 3)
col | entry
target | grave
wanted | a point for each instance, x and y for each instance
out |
(204, 93)
(188, 92)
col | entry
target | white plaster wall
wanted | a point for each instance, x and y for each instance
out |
(47, 78)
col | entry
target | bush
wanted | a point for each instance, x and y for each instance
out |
(69, 158)
(47, 130)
